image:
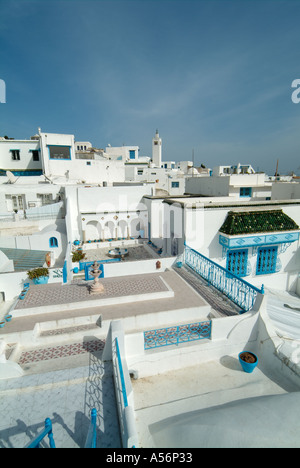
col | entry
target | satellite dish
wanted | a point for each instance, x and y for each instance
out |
(11, 177)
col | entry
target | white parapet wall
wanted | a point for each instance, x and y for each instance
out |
(229, 335)
(114, 351)
(252, 331)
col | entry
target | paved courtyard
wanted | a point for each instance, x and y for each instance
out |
(135, 252)
(79, 290)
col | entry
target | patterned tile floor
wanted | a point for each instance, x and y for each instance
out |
(67, 397)
(56, 352)
(51, 294)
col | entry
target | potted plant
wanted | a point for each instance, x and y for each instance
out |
(248, 361)
(39, 275)
(77, 256)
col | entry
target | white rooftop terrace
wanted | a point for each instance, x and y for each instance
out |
(190, 395)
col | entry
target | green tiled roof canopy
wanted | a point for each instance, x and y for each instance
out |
(249, 222)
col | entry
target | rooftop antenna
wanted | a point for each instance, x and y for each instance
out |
(276, 168)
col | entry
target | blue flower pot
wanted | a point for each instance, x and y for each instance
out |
(41, 280)
(248, 366)
(75, 270)
(2, 324)
(8, 318)
(179, 264)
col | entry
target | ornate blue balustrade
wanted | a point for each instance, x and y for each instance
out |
(175, 335)
(235, 288)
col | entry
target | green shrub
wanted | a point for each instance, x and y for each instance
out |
(77, 256)
(37, 272)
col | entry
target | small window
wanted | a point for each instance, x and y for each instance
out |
(88, 163)
(132, 154)
(53, 242)
(266, 260)
(15, 155)
(245, 192)
(59, 152)
(140, 171)
(45, 198)
(175, 184)
(237, 262)
(35, 155)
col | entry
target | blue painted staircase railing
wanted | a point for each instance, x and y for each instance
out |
(91, 439)
(235, 288)
(35, 443)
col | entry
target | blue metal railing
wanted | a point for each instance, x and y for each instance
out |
(175, 335)
(35, 443)
(121, 373)
(91, 438)
(235, 288)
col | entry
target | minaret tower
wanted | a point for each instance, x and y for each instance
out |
(156, 150)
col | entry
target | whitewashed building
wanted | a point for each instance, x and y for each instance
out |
(239, 182)
(258, 241)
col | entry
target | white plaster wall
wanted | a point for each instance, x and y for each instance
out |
(29, 190)
(6, 265)
(209, 186)
(26, 161)
(112, 199)
(37, 241)
(285, 190)
(115, 152)
(137, 268)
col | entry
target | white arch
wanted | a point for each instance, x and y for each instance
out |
(93, 230)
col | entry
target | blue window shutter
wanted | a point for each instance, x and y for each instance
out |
(266, 260)
(237, 262)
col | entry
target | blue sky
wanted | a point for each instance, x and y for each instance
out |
(213, 76)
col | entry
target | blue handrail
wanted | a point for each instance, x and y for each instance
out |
(235, 288)
(35, 443)
(121, 374)
(91, 438)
